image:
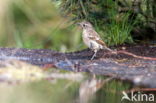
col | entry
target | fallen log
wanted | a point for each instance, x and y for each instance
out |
(139, 71)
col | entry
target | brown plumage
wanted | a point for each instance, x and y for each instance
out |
(98, 41)
(91, 38)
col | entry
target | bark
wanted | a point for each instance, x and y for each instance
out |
(139, 71)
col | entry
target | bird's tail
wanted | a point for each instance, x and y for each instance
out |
(106, 48)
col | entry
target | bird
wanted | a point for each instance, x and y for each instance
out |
(91, 38)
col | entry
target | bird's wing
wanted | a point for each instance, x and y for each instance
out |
(93, 33)
(101, 42)
(94, 36)
(98, 40)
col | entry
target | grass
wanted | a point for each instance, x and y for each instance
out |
(118, 32)
(113, 27)
(37, 24)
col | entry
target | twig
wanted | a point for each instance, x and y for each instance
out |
(136, 56)
(141, 90)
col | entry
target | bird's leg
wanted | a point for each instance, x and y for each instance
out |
(95, 51)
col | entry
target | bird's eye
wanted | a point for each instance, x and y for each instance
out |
(84, 25)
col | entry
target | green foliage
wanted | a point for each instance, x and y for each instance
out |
(118, 32)
(114, 19)
(36, 24)
(103, 14)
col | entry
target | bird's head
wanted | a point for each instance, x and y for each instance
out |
(85, 24)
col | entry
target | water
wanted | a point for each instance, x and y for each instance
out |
(62, 91)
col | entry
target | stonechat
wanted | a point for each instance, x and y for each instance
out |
(91, 38)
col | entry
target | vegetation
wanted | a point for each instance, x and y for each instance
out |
(117, 20)
(50, 25)
(36, 24)
(42, 24)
